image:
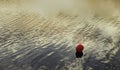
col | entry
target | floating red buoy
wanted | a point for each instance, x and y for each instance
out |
(79, 48)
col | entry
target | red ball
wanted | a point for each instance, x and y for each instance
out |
(79, 48)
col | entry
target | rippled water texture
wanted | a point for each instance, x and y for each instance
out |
(42, 34)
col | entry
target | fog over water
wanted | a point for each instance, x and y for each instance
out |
(42, 34)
